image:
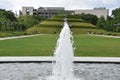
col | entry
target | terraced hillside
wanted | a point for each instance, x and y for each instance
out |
(50, 26)
(54, 25)
(80, 26)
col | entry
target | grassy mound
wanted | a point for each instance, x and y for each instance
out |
(80, 26)
(84, 31)
(54, 25)
(50, 26)
(43, 30)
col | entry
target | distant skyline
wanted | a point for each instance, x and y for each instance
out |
(16, 5)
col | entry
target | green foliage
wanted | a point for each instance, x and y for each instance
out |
(27, 21)
(7, 15)
(73, 16)
(54, 25)
(116, 13)
(10, 34)
(89, 17)
(101, 22)
(116, 18)
(113, 22)
(6, 20)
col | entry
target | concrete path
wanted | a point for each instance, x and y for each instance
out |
(6, 38)
(49, 59)
(105, 36)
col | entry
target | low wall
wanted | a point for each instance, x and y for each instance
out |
(51, 59)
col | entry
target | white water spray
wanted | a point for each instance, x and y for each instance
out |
(64, 55)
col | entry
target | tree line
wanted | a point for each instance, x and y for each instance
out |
(111, 24)
(8, 21)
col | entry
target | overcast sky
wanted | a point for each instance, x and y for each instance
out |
(16, 5)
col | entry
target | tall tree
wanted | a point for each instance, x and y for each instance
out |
(27, 21)
(116, 18)
(101, 23)
(116, 13)
(6, 18)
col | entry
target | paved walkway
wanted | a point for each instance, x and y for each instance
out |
(49, 59)
(20, 36)
(105, 36)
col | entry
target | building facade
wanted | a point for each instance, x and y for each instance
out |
(27, 10)
(47, 12)
(96, 11)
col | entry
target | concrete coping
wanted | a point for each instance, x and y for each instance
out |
(24, 36)
(105, 36)
(50, 59)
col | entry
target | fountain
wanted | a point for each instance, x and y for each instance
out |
(62, 69)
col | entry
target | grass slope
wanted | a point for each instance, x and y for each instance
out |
(56, 22)
(80, 26)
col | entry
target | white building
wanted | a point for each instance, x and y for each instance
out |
(27, 10)
(96, 11)
(47, 12)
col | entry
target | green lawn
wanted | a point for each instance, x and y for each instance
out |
(32, 46)
(44, 46)
(96, 46)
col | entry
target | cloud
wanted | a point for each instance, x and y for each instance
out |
(6, 4)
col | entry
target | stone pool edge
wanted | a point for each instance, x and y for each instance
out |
(30, 59)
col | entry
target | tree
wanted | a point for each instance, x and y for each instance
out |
(27, 21)
(101, 23)
(6, 18)
(116, 13)
(7, 14)
(116, 19)
(90, 18)
(10, 15)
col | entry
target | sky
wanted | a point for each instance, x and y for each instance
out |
(16, 5)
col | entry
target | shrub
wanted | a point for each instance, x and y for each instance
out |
(3, 35)
(115, 34)
(109, 33)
